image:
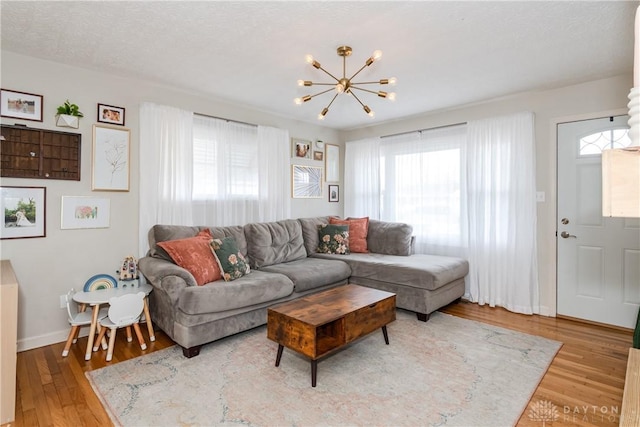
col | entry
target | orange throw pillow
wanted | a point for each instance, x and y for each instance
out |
(358, 230)
(194, 254)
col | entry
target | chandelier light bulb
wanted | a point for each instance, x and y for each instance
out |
(393, 81)
(391, 96)
(309, 59)
(323, 113)
(377, 54)
(300, 82)
(298, 101)
(339, 88)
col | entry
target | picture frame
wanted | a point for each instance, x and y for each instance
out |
(318, 155)
(300, 148)
(334, 193)
(332, 162)
(110, 114)
(110, 160)
(21, 105)
(24, 212)
(79, 212)
(306, 182)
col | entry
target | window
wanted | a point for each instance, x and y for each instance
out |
(225, 160)
(596, 142)
(423, 183)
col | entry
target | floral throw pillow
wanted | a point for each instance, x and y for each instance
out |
(334, 239)
(232, 263)
(358, 229)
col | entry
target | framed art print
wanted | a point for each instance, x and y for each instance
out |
(306, 182)
(332, 162)
(334, 193)
(24, 212)
(20, 105)
(110, 161)
(84, 212)
(300, 148)
(110, 114)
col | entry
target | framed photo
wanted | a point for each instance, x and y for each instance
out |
(334, 193)
(110, 114)
(20, 105)
(84, 212)
(24, 211)
(110, 159)
(332, 162)
(318, 155)
(306, 182)
(300, 148)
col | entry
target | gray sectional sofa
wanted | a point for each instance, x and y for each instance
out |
(284, 266)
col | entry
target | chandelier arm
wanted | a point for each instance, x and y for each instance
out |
(330, 75)
(357, 99)
(322, 84)
(332, 99)
(377, 82)
(358, 72)
(320, 93)
(364, 90)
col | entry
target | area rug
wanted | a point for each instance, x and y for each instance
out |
(449, 371)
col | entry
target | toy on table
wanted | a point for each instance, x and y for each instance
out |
(128, 272)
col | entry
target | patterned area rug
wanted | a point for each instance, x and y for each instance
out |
(448, 371)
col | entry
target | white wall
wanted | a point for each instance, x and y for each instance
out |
(588, 100)
(48, 267)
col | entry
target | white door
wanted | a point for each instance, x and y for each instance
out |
(598, 258)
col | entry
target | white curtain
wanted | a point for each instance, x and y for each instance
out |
(468, 191)
(197, 170)
(166, 159)
(273, 170)
(502, 213)
(362, 178)
(424, 185)
(241, 172)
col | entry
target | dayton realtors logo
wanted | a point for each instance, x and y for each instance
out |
(544, 411)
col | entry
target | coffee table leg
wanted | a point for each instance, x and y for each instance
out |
(314, 372)
(279, 356)
(384, 332)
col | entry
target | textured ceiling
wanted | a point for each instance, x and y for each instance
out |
(443, 54)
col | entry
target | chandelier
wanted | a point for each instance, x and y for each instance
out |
(346, 85)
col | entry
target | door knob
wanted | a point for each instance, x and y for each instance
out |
(566, 235)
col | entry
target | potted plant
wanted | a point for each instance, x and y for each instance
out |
(68, 115)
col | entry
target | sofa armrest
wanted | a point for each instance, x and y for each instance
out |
(166, 275)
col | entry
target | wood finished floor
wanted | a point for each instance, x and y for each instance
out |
(585, 381)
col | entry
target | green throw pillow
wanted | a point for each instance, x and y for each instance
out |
(334, 239)
(230, 260)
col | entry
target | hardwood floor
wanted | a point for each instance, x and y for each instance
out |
(585, 381)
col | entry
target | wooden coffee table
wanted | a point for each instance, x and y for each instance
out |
(320, 324)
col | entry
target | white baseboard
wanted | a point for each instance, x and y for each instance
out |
(47, 339)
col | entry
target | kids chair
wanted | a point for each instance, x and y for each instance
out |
(124, 311)
(77, 319)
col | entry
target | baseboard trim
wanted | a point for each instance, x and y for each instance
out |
(47, 339)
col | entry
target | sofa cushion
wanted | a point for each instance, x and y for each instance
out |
(194, 255)
(358, 230)
(310, 232)
(228, 256)
(271, 243)
(418, 271)
(334, 239)
(255, 288)
(311, 273)
(391, 238)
